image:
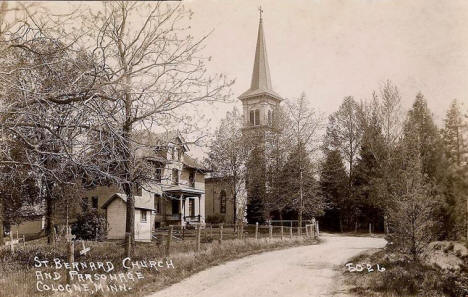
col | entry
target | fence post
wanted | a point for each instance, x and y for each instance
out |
(318, 230)
(12, 246)
(169, 240)
(256, 230)
(242, 231)
(198, 237)
(220, 233)
(307, 230)
(281, 231)
(291, 231)
(271, 232)
(71, 257)
(370, 229)
(183, 232)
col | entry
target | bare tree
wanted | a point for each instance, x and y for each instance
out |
(154, 68)
(344, 134)
(303, 135)
(38, 74)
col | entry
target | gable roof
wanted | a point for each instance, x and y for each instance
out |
(193, 163)
(140, 203)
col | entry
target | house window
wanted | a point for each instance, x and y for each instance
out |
(175, 206)
(179, 154)
(191, 207)
(192, 179)
(222, 201)
(157, 203)
(143, 216)
(95, 201)
(158, 173)
(175, 176)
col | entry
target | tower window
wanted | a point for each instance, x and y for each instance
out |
(257, 117)
(270, 117)
(252, 117)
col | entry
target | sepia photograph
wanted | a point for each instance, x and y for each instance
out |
(234, 148)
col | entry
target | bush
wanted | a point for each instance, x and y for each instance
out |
(90, 225)
(215, 219)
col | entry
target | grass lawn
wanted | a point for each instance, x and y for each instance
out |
(18, 272)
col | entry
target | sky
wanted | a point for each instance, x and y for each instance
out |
(336, 48)
(332, 49)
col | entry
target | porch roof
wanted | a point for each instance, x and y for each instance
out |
(177, 189)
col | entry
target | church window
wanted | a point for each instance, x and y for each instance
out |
(252, 117)
(270, 117)
(257, 117)
(222, 201)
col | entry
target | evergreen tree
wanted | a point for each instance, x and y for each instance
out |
(456, 182)
(368, 179)
(333, 187)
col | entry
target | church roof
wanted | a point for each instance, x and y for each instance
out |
(261, 80)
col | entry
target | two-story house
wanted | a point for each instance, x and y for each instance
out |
(176, 194)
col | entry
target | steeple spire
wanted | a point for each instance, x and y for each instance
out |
(261, 81)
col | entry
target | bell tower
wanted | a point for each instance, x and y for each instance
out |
(260, 102)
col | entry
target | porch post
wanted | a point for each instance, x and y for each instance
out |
(182, 208)
(199, 208)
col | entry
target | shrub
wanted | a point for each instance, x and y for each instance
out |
(215, 219)
(90, 225)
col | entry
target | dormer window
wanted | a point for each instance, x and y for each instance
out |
(175, 176)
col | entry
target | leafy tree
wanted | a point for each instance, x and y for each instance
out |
(302, 192)
(227, 157)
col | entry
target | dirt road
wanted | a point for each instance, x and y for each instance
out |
(301, 271)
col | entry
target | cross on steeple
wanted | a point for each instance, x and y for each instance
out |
(260, 10)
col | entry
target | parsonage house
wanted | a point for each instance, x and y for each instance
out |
(176, 197)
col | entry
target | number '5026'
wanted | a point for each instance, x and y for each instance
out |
(364, 266)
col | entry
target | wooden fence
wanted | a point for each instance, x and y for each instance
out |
(220, 232)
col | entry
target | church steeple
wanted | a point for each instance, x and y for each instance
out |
(261, 71)
(260, 101)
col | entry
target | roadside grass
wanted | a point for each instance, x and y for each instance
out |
(17, 271)
(403, 277)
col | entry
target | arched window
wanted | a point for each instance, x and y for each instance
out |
(257, 117)
(270, 117)
(222, 201)
(252, 117)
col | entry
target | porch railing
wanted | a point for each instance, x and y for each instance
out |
(192, 218)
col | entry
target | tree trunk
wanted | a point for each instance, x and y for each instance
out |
(1, 221)
(301, 204)
(235, 206)
(50, 218)
(130, 221)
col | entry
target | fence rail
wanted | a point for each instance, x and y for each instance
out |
(219, 232)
